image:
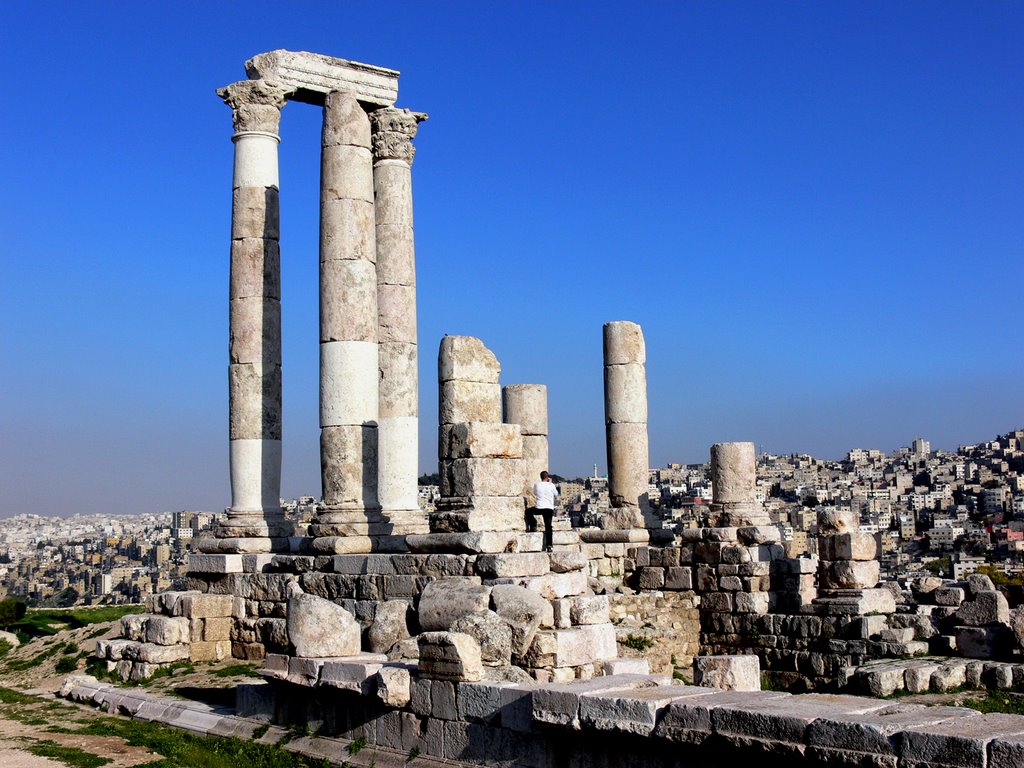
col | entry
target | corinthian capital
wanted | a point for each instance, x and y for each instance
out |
(393, 132)
(255, 104)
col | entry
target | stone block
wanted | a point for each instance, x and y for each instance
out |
(527, 406)
(390, 625)
(167, 630)
(445, 600)
(730, 673)
(733, 472)
(321, 628)
(449, 656)
(558, 704)
(214, 563)
(850, 574)
(566, 562)
(151, 653)
(687, 720)
(917, 677)
(205, 606)
(633, 710)
(625, 666)
(625, 394)
(993, 641)
(833, 521)
(485, 440)
(679, 578)
(487, 477)
(987, 607)
(958, 743)
(952, 674)
(651, 578)
(133, 627)
(494, 634)
(513, 564)
(346, 284)
(356, 675)
(588, 609)
(949, 595)
(523, 610)
(752, 602)
(624, 343)
(214, 650)
(465, 358)
(854, 546)
(393, 686)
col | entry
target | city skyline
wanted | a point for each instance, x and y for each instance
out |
(812, 211)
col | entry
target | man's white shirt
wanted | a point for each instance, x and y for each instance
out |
(546, 493)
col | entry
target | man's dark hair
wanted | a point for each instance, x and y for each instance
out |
(544, 475)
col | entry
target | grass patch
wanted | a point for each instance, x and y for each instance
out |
(5, 647)
(998, 701)
(236, 670)
(11, 696)
(72, 756)
(185, 750)
(97, 633)
(18, 665)
(67, 664)
(637, 642)
(45, 623)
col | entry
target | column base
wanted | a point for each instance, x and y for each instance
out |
(406, 521)
(358, 545)
(248, 545)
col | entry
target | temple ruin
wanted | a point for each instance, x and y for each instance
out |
(453, 634)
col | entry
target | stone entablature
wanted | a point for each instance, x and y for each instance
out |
(313, 75)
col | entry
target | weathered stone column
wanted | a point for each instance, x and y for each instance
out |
(527, 406)
(398, 425)
(255, 522)
(734, 486)
(625, 409)
(348, 331)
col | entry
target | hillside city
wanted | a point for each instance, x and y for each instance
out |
(948, 511)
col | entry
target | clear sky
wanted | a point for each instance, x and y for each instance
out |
(813, 209)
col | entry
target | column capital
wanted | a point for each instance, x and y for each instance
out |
(255, 104)
(393, 131)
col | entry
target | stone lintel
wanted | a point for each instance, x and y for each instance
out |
(314, 75)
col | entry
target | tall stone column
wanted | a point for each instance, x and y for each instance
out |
(348, 331)
(398, 426)
(527, 406)
(255, 522)
(625, 409)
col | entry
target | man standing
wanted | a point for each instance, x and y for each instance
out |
(546, 494)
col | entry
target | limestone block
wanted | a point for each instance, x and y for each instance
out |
(508, 564)
(346, 230)
(133, 627)
(625, 666)
(523, 610)
(733, 472)
(345, 454)
(348, 301)
(150, 653)
(987, 607)
(855, 546)
(917, 677)
(625, 394)
(565, 562)
(345, 120)
(466, 543)
(393, 686)
(730, 673)
(753, 535)
(993, 641)
(850, 574)
(978, 582)
(445, 600)
(392, 184)
(950, 675)
(167, 630)
(449, 656)
(897, 635)
(357, 674)
(535, 450)
(469, 401)
(486, 477)
(624, 343)
(752, 602)
(627, 463)
(626, 517)
(466, 359)
(390, 625)
(218, 564)
(396, 308)
(557, 585)
(255, 213)
(399, 383)
(583, 645)
(588, 609)
(832, 521)
(559, 704)
(651, 578)
(949, 595)
(255, 330)
(349, 377)
(320, 628)
(964, 742)
(493, 633)
(346, 173)
(213, 650)
(485, 440)
(679, 578)
(488, 513)
(884, 681)
(630, 711)
(205, 606)
(255, 268)
(527, 406)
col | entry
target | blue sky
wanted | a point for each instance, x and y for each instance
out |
(813, 209)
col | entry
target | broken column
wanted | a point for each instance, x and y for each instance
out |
(398, 426)
(734, 486)
(848, 567)
(255, 522)
(625, 408)
(527, 406)
(349, 372)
